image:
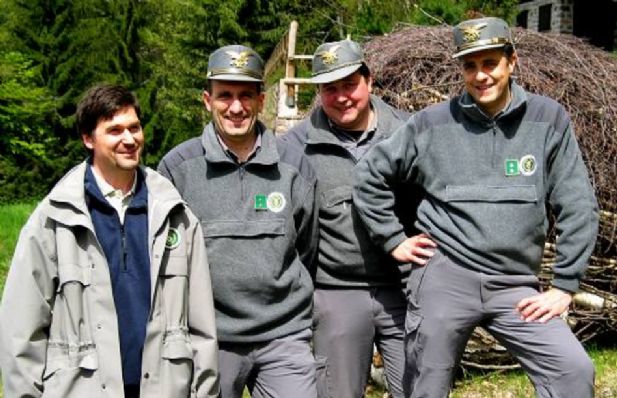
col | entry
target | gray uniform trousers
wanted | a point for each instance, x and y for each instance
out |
(346, 323)
(281, 368)
(446, 301)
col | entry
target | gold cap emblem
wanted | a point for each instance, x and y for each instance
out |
(329, 57)
(472, 33)
(239, 60)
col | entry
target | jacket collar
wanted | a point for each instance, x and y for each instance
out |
(473, 111)
(320, 132)
(68, 203)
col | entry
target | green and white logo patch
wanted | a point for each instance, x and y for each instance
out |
(173, 239)
(261, 202)
(512, 167)
(528, 165)
(276, 202)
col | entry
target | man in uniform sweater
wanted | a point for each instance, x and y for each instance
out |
(109, 290)
(491, 161)
(359, 296)
(256, 202)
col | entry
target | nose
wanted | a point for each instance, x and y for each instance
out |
(481, 75)
(340, 96)
(127, 137)
(236, 106)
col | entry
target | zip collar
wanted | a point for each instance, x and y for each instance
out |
(266, 154)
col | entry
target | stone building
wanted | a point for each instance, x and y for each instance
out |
(595, 20)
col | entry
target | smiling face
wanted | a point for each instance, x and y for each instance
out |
(116, 146)
(487, 78)
(347, 101)
(234, 107)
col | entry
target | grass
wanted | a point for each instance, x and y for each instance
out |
(515, 384)
(511, 384)
(12, 218)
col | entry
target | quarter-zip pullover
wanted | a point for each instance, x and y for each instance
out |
(488, 182)
(260, 226)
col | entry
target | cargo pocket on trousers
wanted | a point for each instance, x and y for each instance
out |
(413, 319)
(322, 375)
(413, 347)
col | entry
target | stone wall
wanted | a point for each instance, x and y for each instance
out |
(560, 10)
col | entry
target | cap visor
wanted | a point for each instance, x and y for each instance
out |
(476, 49)
(329, 77)
(234, 78)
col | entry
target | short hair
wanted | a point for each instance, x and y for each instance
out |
(508, 50)
(364, 70)
(102, 102)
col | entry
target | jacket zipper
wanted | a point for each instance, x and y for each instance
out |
(241, 174)
(493, 154)
(123, 243)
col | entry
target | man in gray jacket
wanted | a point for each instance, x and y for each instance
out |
(359, 296)
(491, 160)
(109, 289)
(256, 201)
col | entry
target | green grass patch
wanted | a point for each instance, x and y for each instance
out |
(515, 384)
(12, 219)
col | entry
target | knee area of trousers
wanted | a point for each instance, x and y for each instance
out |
(583, 366)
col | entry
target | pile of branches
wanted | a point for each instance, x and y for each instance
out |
(413, 68)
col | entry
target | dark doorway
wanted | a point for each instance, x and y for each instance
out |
(595, 20)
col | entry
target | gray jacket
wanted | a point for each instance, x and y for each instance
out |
(260, 225)
(58, 327)
(488, 182)
(347, 257)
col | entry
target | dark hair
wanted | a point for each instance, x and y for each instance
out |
(364, 70)
(508, 50)
(102, 102)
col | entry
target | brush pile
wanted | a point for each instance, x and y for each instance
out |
(413, 68)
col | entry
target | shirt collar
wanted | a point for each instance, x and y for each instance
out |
(110, 192)
(229, 152)
(352, 135)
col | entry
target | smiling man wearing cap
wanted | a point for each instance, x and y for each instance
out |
(359, 298)
(492, 161)
(256, 201)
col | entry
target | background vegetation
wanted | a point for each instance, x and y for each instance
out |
(52, 51)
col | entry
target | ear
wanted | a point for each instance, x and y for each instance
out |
(369, 83)
(512, 61)
(207, 100)
(88, 140)
(261, 99)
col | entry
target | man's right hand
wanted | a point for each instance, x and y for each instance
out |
(417, 249)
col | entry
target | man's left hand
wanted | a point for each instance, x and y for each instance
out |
(544, 306)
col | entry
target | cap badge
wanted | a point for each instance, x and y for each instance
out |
(329, 57)
(239, 60)
(472, 33)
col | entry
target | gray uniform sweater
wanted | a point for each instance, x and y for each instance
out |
(488, 181)
(347, 257)
(260, 227)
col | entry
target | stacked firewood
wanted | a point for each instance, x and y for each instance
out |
(413, 68)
